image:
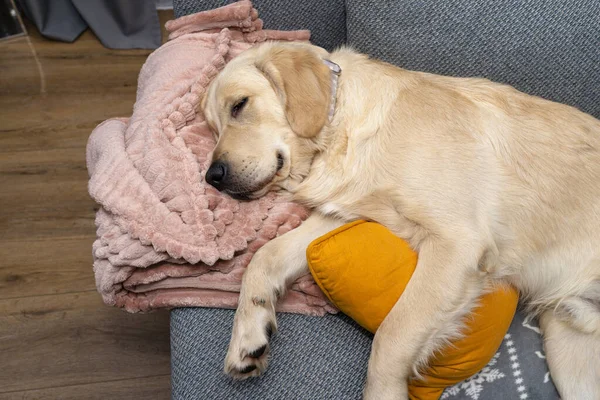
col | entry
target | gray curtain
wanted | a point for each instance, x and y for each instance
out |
(118, 24)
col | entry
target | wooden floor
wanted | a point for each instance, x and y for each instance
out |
(57, 339)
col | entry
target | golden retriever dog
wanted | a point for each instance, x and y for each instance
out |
(488, 184)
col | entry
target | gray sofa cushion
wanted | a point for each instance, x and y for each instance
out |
(325, 19)
(326, 358)
(312, 358)
(550, 48)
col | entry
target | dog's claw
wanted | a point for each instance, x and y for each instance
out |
(258, 352)
(247, 369)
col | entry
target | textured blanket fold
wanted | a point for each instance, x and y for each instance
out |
(165, 238)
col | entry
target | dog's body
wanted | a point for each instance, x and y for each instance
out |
(487, 183)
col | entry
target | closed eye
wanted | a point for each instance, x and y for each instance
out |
(238, 107)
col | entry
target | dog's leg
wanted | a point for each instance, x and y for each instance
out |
(277, 264)
(441, 291)
(581, 313)
(573, 358)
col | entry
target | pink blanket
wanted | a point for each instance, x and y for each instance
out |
(165, 238)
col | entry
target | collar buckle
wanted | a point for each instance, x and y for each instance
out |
(336, 71)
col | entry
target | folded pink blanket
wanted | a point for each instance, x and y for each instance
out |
(165, 238)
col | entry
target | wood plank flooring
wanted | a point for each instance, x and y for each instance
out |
(57, 339)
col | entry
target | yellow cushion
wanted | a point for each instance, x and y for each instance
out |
(363, 269)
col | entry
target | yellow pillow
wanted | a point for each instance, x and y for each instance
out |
(363, 269)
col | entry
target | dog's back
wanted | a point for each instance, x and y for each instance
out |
(546, 188)
(532, 166)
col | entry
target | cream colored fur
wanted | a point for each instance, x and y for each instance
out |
(490, 185)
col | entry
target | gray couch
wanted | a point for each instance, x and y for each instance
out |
(549, 48)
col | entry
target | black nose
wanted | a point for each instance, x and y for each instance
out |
(216, 174)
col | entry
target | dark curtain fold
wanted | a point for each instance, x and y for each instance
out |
(118, 24)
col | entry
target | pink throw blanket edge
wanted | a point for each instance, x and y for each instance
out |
(164, 237)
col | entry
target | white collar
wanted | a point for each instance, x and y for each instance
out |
(335, 75)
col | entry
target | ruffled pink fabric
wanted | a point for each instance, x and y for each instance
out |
(165, 238)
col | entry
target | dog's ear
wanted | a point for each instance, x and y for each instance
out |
(202, 110)
(303, 83)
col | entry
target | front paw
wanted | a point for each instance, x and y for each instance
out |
(249, 347)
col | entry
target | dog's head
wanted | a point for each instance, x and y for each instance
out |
(266, 107)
